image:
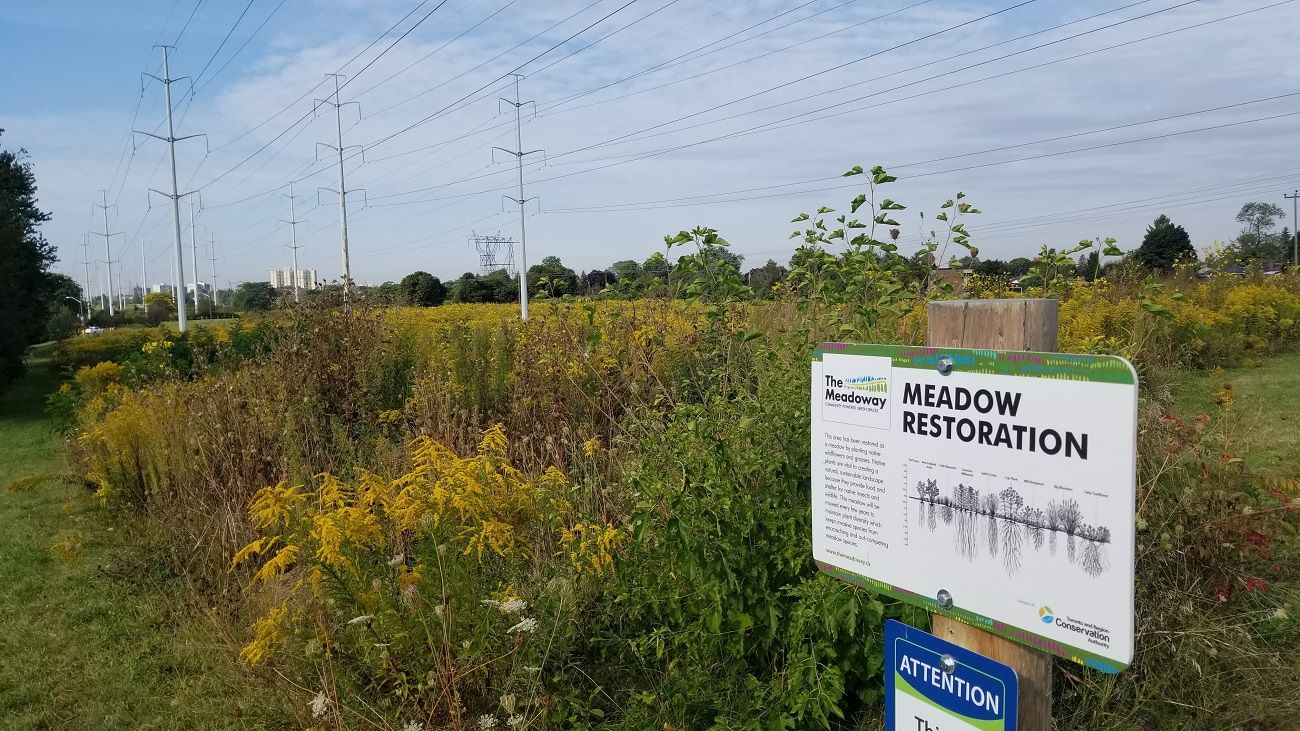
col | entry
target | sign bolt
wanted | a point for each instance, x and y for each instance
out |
(944, 365)
(944, 597)
(947, 664)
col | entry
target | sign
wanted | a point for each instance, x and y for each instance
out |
(994, 487)
(934, 685)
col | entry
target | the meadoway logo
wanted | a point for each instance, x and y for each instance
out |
(855, 390)
(875, 384)
(858, 391)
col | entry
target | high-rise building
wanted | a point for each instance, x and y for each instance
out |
(162, 288)
(282, 278)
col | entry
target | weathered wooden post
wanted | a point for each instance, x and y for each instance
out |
(1009, 324)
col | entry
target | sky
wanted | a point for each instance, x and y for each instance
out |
(1058, 120)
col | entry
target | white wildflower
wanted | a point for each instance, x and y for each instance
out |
(363, 619)
(527, 624)
(532, 669)
(413, 726)
(514, 606)
(397, 560)
(319, 705)
(515, 721)
(490, 603)
(487, 722)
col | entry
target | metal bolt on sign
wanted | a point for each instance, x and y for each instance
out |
(944, 365)
(947, 664)
(944, 597)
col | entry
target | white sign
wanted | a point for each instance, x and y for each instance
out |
(1006, 485)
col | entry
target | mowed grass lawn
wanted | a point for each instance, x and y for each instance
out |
(1264, 406)
(87, 640)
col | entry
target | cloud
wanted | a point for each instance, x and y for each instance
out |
(429, 184)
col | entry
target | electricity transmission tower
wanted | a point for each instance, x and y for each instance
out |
(85, 260)
(343, 190)
(108, 249)
(212, 287)
(171, 139)
(194, 254)
(144, 272)
(519, 155)
(488, 246)
(293, 236)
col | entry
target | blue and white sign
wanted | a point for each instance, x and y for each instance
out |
(934, 685)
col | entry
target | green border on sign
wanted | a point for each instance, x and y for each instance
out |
(1026, 364)
(1029, 364)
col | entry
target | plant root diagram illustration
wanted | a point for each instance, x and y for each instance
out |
(1009, 525)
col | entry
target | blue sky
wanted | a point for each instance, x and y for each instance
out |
(635, 158)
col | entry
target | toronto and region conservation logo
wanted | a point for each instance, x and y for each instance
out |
(1045, 614)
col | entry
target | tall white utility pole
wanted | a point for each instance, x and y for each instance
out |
(519, 154)
(85, 260)
(194, 258)
(108, 250)
(343, 190)
(212, 289)
(144, 272)
(1295, 228)
(171, 139)
(293, 236)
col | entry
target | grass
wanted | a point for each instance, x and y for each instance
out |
(204, 322)
(88, 638)
(1265, 399)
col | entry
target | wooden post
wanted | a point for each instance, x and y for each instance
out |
(1019, 324)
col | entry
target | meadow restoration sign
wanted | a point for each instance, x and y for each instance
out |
(934, 685)
(1002, 483)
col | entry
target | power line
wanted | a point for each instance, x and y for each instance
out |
(490, 60)
(814, 75)
(222, 45)
(350, 80)
(696, 200)
(432, 53)
(242, 46)
(515, 70)
(676, 62)
(771, 126)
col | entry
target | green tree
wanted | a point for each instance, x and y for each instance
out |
(388, 293)
(422, 289)
(762, 279)
(158, 307)
(253, 297)
(626, 270)
(1255, 241)
(657, 266)
(551, 278)
(1287, 242)
(25, 257)
(1019, 266)
(1163, 245)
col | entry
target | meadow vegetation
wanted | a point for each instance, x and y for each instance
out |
(447, 518)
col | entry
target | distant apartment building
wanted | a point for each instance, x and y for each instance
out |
(161, 288)
(282, 278)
